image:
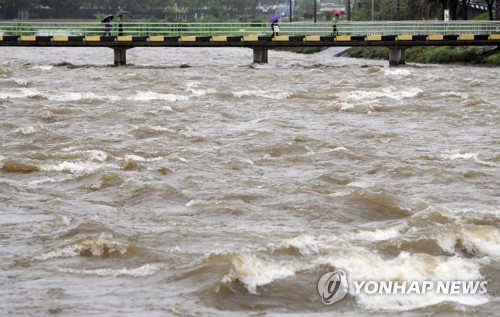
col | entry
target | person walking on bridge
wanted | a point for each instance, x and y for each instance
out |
(107, 24)
(335, 20)
(275, 28)
(120, 25)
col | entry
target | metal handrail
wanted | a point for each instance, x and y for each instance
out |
(251, 28)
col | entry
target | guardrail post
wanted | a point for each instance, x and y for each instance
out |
(260, 55)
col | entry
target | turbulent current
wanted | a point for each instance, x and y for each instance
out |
(194, 183)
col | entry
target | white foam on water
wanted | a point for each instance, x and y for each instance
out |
(454, 94)
(248, 161)
(167, 109)
(79, 168)
(189, 132)
(137, 158)
(20, 81)
(379, 234)
(361, 184)
(476, 83)
(93, 155)
(142, 271)
(43, 67)
(19, 93)
(151, 95)
(481, 239)
(96, 77)
(63, 221)
(350, 99)
(270, 94)
(192, 87)
(59, 96)
(26, 130)
(95, 246)
(154, 128)
(342, 193)
(485, 239)
(456, 155)
(97, 155)
(434, 78)
(363, 265)
(396, 72)
(341, 149)
(376, 94)
(346, 106)
(202, 202)
(45, 181)
(306, 244)
(74, 96)
(253, 272)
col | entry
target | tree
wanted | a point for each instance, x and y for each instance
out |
(306, 8)
(465, 5)
(18, 8)
(489, 5)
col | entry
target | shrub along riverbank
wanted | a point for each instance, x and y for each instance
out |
(484, 56)
(488, 56)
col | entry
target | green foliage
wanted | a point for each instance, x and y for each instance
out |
(442, 55)
(493, 59)
(482, 16)
(386, 10)
(302, 50)
(369, 52)
(431, 55)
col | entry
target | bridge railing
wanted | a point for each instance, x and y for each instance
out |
(420, 27)
(256, 28)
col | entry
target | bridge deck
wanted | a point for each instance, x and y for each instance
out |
(406, 40)
(396, 35)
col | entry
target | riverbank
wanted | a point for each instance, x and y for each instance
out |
(484, 55)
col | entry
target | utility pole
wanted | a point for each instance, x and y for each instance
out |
(315, 10)
(348, 9)
(290, 11)
(398, 12)
(497, 10)
(373, 8)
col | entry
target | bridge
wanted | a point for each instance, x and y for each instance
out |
(396, 35)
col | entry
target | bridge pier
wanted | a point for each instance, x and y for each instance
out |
(120, 56)
(260, 55)
(396, 56)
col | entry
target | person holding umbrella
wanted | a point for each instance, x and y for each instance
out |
(120, 21)
(107, 24)
(120, 25)
(335, 20)
(274, 24)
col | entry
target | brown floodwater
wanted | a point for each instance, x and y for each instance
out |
(194, 183)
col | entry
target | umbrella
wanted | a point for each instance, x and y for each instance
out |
(275, 18)
(124, 13)
(337, 12)
(107, 18)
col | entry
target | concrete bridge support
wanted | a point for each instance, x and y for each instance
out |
(396, 56)
(260, 55)
(120, 56)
